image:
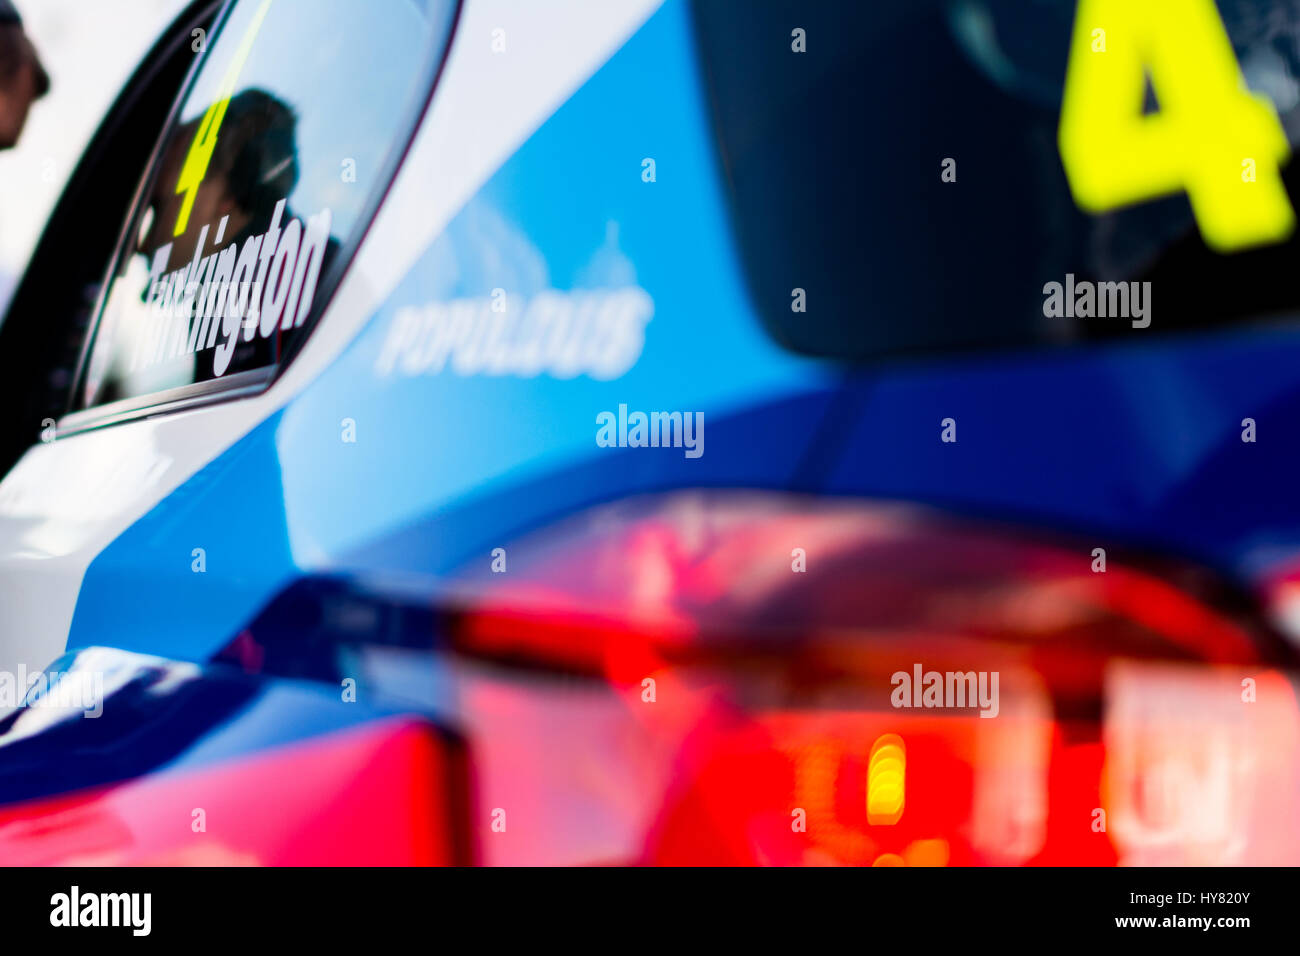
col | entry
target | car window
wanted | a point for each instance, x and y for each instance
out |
(935, 175)
(264, 179)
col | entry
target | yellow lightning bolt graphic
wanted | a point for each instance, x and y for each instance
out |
(205, 139)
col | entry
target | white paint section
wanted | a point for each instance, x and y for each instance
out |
(61, 504)
(486, 105)
(67, 500)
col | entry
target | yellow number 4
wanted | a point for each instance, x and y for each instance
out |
(1212, 138)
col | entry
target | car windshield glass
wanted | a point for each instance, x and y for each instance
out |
(258, 187)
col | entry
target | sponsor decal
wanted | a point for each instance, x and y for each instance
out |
(594, 332)
(249, 291)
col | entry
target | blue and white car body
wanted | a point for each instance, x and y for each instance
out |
(396, 453)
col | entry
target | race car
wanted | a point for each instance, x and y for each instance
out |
(663, 432)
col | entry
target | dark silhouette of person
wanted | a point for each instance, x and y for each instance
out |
(253, 166)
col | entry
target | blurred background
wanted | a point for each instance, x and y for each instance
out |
(89, 50)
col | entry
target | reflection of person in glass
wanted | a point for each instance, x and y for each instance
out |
(252, 169)
(254, 164)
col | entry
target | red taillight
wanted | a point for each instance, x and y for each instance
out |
(1202, 765)
(708, 678)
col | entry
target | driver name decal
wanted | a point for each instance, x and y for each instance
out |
(266, 284)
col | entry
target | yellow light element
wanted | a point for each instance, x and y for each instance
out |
(1212, 138)
(886, 777)
(195, 169)
(889, 859)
